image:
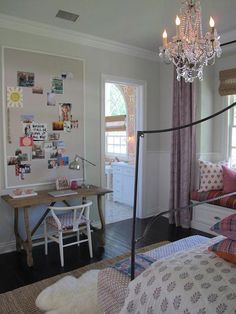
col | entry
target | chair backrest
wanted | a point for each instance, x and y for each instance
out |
(83, 209)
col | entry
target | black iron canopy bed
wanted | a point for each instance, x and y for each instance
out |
(180, 277)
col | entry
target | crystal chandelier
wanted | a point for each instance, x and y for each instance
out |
(189, 50)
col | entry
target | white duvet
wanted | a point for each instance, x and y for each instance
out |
(193, 282)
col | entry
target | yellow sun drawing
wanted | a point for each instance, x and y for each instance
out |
(14, 97)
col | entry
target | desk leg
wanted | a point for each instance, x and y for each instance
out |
(41, 219)
(28, 242)
(101, 216)
(16, 231)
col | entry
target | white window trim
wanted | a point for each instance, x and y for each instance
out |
(231, 125)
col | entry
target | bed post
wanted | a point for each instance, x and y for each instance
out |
(139, 135)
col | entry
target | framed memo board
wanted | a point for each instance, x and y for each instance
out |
(43, 116)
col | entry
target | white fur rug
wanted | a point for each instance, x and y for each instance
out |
(71, 295)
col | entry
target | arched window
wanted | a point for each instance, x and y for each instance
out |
(116, 134)
(115, 101)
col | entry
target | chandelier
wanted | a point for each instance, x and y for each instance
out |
(189, 50)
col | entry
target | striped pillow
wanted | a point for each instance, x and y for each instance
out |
(226, 227)
(225, 249)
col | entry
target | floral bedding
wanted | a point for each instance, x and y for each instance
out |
(113, 284)
(192, 282)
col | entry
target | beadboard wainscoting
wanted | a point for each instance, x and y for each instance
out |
(156, 185)
(157, 179)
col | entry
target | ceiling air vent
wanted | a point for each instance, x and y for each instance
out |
(67, 15)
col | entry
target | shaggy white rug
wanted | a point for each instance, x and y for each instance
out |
(71, 295)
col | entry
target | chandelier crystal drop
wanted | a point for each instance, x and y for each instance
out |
(189, 50)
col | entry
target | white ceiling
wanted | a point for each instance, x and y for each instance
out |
(138, 23)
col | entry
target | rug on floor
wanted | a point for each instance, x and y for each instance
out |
(22, 300)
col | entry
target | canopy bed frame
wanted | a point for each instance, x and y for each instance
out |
(141, 134)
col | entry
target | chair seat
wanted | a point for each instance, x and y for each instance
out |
(66, 221)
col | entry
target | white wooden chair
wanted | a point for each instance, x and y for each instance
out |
(73, 218)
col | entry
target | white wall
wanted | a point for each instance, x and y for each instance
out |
(220, 123)
(97, 62)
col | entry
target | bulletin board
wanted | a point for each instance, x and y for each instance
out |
(43, 116)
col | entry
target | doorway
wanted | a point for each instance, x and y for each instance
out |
(122, 101)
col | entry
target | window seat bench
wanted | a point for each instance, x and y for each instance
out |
(206, 215)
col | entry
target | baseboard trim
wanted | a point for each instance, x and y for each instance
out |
(155, 212)
(201, 227)
(7, 247)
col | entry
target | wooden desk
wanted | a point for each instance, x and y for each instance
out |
(44, 198)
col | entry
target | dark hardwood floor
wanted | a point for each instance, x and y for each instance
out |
(14, 272)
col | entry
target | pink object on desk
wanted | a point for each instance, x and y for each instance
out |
(74, 185)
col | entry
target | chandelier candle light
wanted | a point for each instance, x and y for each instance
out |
(189, 50)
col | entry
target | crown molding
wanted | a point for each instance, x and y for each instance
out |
(228, 36)
(40, 29)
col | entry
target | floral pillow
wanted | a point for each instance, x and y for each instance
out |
(211, 176)
(226, 227)
(225, 249)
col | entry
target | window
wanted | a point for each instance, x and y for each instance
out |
(115, 111)
(116, 143)
(232, 132)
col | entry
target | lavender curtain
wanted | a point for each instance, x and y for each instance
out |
(182, 152)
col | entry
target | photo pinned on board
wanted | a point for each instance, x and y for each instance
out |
(27, 118)
(74, 124)
(57, 86)
(65, 111)
(18, 152)
(37, 90)
(58, 126)
(67, 126)
(23, 157)
(58, 144)
(38, 151)
(51, 99)
(48, 146)
(52, 164)
(53, 136)
(63, 161)
(26, 141)
(25, 168)
(55, 154)
(12, 160)
(39, 131)
(26, 128)
(25, 79)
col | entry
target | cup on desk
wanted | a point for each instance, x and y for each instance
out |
(74, 185)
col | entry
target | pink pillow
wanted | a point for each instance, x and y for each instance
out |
(229, 180)
(226, 227)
